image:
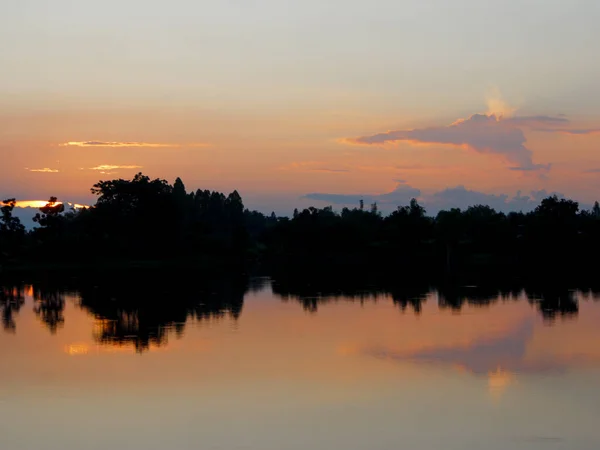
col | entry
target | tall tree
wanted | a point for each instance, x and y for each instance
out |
(12, 232)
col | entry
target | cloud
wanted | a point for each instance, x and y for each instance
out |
(402, 194)
(107, 167)
(461, 197)
(592, 171)
(572, 131)
(525, 169)
(531, 121)
(114, 144)
(480, 133)
(453, 197)
(44, 170)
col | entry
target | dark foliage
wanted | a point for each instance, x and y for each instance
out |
(150, 220)
(135, 220)
(555, 236)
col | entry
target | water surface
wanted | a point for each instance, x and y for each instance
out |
(260, 365)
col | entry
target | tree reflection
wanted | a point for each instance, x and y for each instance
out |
(410, 294)
(49, 306)
(144, 309)
(11, 301)
(453, 296)
(312, 290)
(409, 298)
(322, 288)
(140, 309)
(553, 302)
(142, 314)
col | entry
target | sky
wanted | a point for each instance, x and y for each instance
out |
(300, 103)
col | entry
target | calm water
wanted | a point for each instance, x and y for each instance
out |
(256, 365)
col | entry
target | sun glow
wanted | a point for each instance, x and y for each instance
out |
(42, 203)
(498, 382)
(497, 106)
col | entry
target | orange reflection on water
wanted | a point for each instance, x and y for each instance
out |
(77, 349)
(498, 381)
(342, 343)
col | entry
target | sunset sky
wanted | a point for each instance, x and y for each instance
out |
(297, 103)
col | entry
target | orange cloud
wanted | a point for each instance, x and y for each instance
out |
(44, 170)
(480, 133)
(107, 167)
(114, 144)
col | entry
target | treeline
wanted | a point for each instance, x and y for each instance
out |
(147, 219)
(141, 219)
(555, 234)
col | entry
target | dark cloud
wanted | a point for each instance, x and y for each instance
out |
(401, 195)
(453, 197)
(481, 133)
(525, 169)
(573, 131)
(529, 121)
(461, 197)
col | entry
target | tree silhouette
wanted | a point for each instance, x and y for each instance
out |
(49, 214)
(12, 232)
(596, 210)
(449, 231)
(9, 223)
(144, 220)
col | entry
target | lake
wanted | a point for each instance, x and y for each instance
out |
(260, 364)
